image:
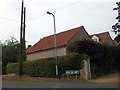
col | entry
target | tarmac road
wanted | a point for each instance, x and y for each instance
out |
(26, 84)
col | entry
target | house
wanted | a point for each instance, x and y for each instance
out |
(115, 42)
(103, 38)
(44, 48)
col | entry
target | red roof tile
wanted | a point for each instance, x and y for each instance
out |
(48, 42)
(102, 36)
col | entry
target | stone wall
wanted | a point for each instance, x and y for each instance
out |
(85, 72)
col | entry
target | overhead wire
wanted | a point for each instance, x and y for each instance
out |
(10, 34)
(69, 5)
(9, 19)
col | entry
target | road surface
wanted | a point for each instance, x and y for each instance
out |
(26, 84)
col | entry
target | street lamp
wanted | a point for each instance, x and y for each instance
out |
(56, 67)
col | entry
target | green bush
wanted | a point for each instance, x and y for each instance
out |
(46, 67)
(12, 68)
(104, 58)
(72, 61)
(43, 67)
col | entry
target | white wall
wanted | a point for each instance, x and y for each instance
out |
(46, 54)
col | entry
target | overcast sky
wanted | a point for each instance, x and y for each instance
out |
(95, 15)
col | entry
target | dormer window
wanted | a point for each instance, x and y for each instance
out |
(95, 38)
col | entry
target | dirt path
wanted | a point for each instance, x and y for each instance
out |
(112, 78)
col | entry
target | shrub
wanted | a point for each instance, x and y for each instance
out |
(43, 67)
(46, 67)
(72, 61)
(12, 68)
(104, 59)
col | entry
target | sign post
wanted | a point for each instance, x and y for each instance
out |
(72, 72)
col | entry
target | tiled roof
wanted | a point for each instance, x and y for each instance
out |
(102, 36)
(48, 42)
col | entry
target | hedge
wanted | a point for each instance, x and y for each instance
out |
(46, 67)
(72, 61)
(12, 68)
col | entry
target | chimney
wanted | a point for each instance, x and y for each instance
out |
(29, 46)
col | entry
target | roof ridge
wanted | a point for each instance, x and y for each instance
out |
(101, 33)
(62, 32)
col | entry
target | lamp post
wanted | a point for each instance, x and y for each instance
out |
(56, 67)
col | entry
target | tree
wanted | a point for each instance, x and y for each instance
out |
(10, 52)
(116, 27)
(103, 58)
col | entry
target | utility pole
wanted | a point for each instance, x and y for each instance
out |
(22, 39)
(116, 27)
(24, 46)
